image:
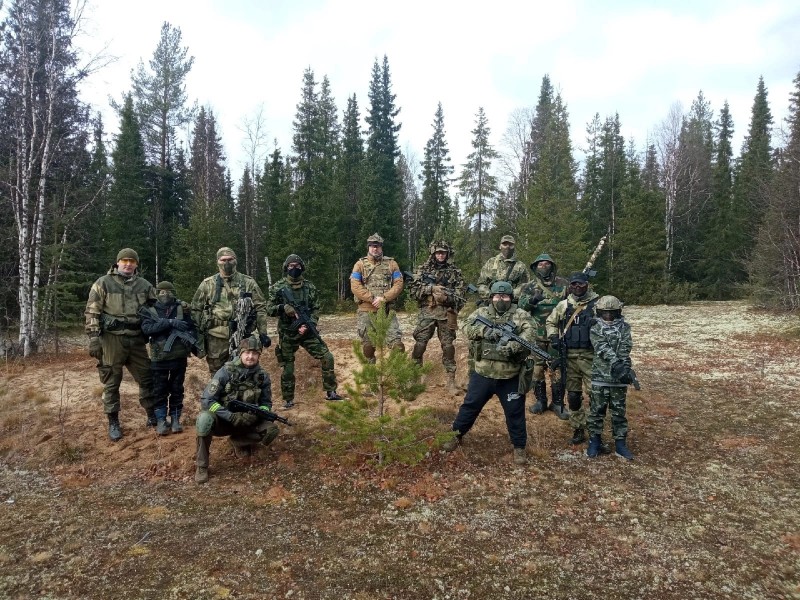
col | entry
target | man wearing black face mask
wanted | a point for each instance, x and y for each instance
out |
(503, 267)
(293, 299)
(569, 324)
(214, 303)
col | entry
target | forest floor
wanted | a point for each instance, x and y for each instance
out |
(710, 508)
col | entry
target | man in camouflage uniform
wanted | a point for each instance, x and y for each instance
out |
(497, 369)
(569, 324)
(172, 334)
(115, 335)
(376, 282)
(214, 304)
(503, 267)
(438, 287)
(539, 298)
(240, 379)
(611, 374)
(293, 299)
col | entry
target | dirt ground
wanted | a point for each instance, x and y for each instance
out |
(710, 508)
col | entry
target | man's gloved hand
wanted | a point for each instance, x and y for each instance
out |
(618, 369)
(179, 324)
(506, 350)
(289, 311)
(555, 343)
(241, 419)
(95, 347)
(265, 340)
(439, 294)
(537, 297)
(492, 335)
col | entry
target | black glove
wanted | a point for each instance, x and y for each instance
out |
(242, 419)
(618, 370)
(179, 324)
(492, 335)
(95, 348)
(265, 340)
(536, 298)
(555, 343)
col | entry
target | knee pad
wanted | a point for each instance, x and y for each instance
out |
(204, 423)
(575, 400)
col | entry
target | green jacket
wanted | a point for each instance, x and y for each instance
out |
(234, 381)
(499, 268)
(214, 310)
(612, 342)
(488, 361)
(114, 303)
(551, 293)
(305, 295)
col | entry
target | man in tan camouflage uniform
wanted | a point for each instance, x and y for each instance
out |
(214, 304)
(376, 282)
(503, 267)
(438, 287)
(497, 368)
(115, 335)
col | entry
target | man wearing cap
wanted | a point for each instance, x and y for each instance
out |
(376, 282)
(115, 335)
(503, 267)
(168, 324)
(214, 304)
(570, 324)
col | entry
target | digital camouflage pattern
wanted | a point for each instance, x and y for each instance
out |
(499, 268)
(612, 342)
(489, 361)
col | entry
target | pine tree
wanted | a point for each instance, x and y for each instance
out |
(350, 173)
(437, 206)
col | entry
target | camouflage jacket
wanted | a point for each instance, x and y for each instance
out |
(551, 294)
(234, 381)
(114, 303)
(156, 326)
(577, 335)
(215, 312)
(612, 342)
(499, 268)
(488, 361)
(373, 278)
(305, 295)
(429, 274)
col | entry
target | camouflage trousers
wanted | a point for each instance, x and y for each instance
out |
(364, 325)
(426, 327)
(604, 397)
(285, 351)
(124, 351)
(217, 353)
(262, 432)
(579, 376)
(534, 369)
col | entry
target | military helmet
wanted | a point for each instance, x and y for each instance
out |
(501, 287)
(165, 285)
(293, 258)
(375, 239)
(251, 343)
(609, 303)
(129, 253)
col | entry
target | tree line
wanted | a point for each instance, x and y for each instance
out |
(686, 217)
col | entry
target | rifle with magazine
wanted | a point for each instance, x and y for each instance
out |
(507, 334)
(302, 316)
(267, 415)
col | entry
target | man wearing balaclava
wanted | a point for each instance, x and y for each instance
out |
(503, 267)
(293, 299)
(214, 304)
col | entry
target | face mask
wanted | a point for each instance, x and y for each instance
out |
(507, 251)
(228, 267)
(295, 272)
(165, 297)
(544, 271)
(501, 306)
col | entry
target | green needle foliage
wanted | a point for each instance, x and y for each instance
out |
(364, 426)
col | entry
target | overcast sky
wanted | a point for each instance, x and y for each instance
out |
(633, 58)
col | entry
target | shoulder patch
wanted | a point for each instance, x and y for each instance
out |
(213, 387)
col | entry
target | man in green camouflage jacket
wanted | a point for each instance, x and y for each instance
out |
(438, 287)
(503, 267)
(214, 305)
(115, 335)
(294, 301)
(539, 298)
(497, 368)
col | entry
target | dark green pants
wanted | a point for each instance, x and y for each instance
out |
(124, 351)
(285, 351)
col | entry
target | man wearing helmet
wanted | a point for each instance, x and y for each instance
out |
(115, 335)
(240, 379)
(497, 368)
(503, 267)
(611, 375)
(539, 298)
(376, 282)
(293, 299)
(214, 304)
(438, 287)
(569, 324)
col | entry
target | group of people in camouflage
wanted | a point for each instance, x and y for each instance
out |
(125, 312)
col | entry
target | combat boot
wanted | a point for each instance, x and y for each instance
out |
(369, 352)
(201, 474)
(520, 456)
(452, 443)
(621, 449)
(114, 430)
(578, 436)
(201, 459)
(452, 388)
(595, 443)
(561, 412)
(151, 418)
(176, 422)
(540, 393)
(333, 396)
(161, 421)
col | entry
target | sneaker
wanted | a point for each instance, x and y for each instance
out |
(451, 444)
(520, 456)
(201, 475)
(333, 396)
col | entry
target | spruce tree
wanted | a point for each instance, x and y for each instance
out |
(438, 216)
(350, 173)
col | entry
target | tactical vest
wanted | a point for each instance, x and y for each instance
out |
(377, 277)
(244, 386)
(577, 336)
(179, 349)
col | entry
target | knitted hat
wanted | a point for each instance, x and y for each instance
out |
(127, 253)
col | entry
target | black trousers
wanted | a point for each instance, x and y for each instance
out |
(480, 391)
(168, 385)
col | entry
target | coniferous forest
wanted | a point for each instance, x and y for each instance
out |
(688, 216)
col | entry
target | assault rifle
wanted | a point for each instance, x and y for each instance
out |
(267, 415)
(507, 335)
(242, 323)
(187, 338)
(302, 318)
(453, 298)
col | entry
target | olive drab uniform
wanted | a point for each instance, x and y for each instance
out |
(571, 320)
(214, 304)
(500, 268)
(302, 294)
(373, 278)
(112, 313)
(612, 343)
(437, 315)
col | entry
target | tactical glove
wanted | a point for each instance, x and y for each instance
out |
(536, 298)
(618, 370)
(241, 419)
(95, 348)
(179, 324)
(439, 294)
(265, 340)
(508, 350)
(492, 335)
(555, 343)
(289, 311)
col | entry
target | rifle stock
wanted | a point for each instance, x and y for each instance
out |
(508, 334)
